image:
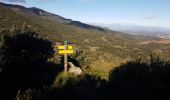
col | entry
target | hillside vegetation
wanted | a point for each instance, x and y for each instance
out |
(112, 62)
(27, 73)
(95, 44)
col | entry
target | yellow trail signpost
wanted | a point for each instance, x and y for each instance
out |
(65, 49)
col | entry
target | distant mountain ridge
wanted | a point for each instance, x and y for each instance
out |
(135, 29)
(40, 12)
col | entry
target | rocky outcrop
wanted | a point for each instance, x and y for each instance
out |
(73, 69)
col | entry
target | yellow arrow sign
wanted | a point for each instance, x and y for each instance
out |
(70, 47)
(60, 47)
(66, 51)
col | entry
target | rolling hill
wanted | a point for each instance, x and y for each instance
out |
(102, 49)
(51, 26)
(106, 65)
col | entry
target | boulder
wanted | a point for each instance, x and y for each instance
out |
(73, 69)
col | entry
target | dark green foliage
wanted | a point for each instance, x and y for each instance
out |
(135, 80)
(24, 62)
(84, 87)
(25, 47)
(141, 81)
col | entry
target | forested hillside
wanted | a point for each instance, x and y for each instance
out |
(115, 65)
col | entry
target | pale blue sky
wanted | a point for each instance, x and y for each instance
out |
(141, 12)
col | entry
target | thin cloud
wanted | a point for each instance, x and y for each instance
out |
(150, 17)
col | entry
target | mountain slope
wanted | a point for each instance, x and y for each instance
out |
(35, 16)
(98, 48)
(47, 15)
(57, 28)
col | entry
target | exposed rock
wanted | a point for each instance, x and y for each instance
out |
(73, 69)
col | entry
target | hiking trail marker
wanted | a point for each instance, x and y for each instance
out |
(65, 49)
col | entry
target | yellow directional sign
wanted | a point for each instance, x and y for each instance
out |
(68, 50)
(70, 47)
(60, 47)
(65, 50)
